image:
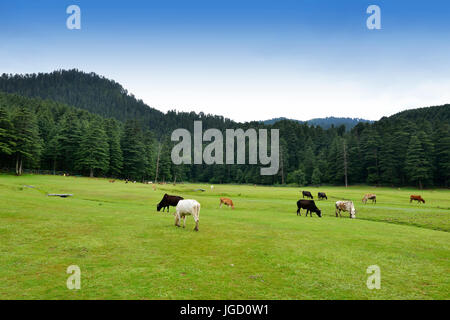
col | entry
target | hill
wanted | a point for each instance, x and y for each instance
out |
(409, 148)
(101, 96)
(325, 123)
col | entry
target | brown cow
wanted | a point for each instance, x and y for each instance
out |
(369, 196)
(228, 202)
(416, 198)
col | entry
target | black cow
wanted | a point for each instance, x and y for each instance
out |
(168, 201)
(307, 194)
(310, 206)
(322, 195)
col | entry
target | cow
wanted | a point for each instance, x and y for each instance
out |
(185, 208)
(307, 194)
(322, 195)
(228, 202)
(369, 196)
(310, 206)
(345, 206)
(168, 201)
(112, 181)
(417, 198)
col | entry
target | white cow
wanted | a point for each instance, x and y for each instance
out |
(345, 206)
(185, 208)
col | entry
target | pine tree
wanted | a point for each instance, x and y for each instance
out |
(115, 150)
(388, 165)
(316, 176)
(93, 153)
(134, 157)
(297, 177)
(69, 140)
(442, 154)
(26, 138)
(52, 150)
(6, 133)
(370, 149)
(151, 146)
(416, 163)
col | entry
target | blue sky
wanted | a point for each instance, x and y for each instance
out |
(244, 59)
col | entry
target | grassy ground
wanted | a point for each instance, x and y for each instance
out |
(260, 250)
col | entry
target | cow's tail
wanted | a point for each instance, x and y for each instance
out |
(197, 210)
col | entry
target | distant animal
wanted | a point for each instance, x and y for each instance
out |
(185, 208)
(212, 187)
(168, 201)
(346, 206)
(310, 206)
(307, 194)
(322, 195)
(112, 181)
(416, 198)
(369, 196)
(228, 202)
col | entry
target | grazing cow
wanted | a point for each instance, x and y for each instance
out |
(310, 206)
(322, 195)
(416, 198)
(307, 194)
(186, 208)
(345, 206)
(228, 202)
(168, 201)
(369, 196)
(112, 181)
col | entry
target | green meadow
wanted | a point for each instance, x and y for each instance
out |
(261, 250)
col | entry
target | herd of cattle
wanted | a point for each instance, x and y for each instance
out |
(186, 207)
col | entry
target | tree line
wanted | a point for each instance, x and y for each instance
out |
(127, 141)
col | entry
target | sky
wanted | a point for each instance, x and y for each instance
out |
(245, 60)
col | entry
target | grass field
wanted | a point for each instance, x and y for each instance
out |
(260, 250)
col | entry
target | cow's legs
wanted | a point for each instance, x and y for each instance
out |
(177, 220)
(184, 221)
(196, 225)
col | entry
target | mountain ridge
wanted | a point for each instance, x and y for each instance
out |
(325, 122)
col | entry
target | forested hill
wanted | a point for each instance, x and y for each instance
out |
(101, 96)
(438, 113)
(325, 123)
(409, 148)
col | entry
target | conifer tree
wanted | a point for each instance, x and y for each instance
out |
(133, 149)
(93, 153)
(113, 132)
(6, 133)
(316, 176)
(27, 143)
(416, 164)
